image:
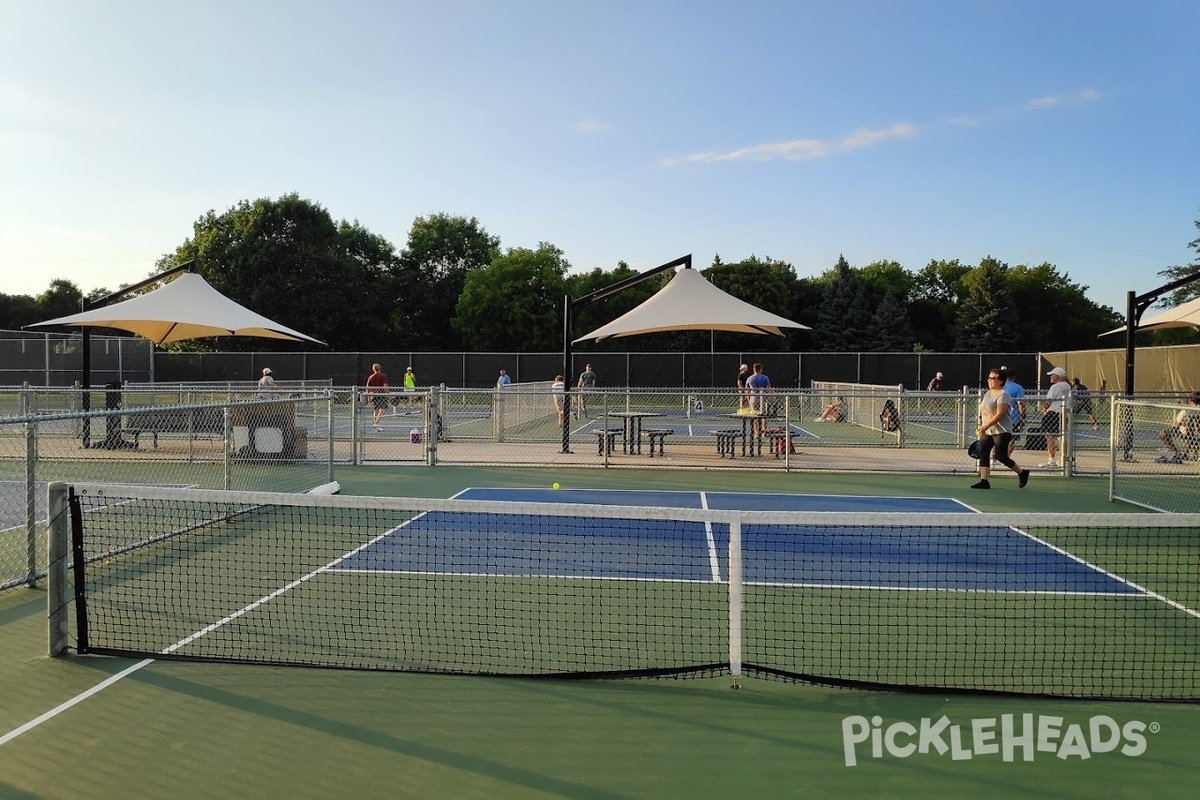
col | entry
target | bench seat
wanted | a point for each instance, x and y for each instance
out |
(606, 439)
(727, 441)
(659, 435)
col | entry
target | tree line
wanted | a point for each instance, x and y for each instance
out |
(453, 287)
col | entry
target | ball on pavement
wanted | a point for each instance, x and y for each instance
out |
(554, 485)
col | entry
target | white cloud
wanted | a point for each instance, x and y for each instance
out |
(590, 126)
(801, 149)
(866, 138)
(1063, 101)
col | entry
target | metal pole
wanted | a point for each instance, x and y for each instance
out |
(566, 373)
(1130, 332)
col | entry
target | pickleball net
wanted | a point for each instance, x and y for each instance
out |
(521, 408)
(1101, 606)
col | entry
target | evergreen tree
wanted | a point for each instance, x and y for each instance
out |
(844, 313)
(987, 321)
(890, 330)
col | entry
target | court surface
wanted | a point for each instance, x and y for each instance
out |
(989, 558)
(195, 730)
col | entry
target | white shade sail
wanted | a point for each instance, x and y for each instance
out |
(690, 303)
(1183, 316)
(186, 308)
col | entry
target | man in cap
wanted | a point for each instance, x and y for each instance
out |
(743, 393)
(266, 384)
(1052, 409)
(935, 384)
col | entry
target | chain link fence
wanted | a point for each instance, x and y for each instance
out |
(227, 438)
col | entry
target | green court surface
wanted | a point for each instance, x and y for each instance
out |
(185, 730)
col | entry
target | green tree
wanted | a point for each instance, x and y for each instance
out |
(62, 298)
(288, 260)
(887, 277)
(933, 303)
(987, 321)
(767, 283)
(1053, 313)
(844, 312)
(516, 302)
(19, 310)
(442, 251)
(601, 312)
(890, 330)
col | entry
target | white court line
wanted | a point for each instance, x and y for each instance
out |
(713, 564)
(79, 698)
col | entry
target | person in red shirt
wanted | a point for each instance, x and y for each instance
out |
(377, 386)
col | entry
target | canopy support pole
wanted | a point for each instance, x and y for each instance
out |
(1135, 306)
(569, 307)
(86, 365)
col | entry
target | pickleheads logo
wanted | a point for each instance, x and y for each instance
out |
(1005, 736)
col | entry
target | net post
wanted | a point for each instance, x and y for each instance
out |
(329, 423)
(432, 422)
(58, 545)
(735, 601)
(227, 422)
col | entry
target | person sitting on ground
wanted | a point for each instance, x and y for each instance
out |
(1185, 429)
(833, 412)
(889, 417)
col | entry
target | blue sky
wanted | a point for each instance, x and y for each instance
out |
(639, 131)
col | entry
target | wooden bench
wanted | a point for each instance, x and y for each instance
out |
(606, 439)
(659, 435)
(727, 441)
(204, 421)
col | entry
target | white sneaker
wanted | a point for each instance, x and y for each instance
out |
(379, 429)
(1049, 465)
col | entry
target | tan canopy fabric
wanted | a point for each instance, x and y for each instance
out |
(691, 303)
(186, 308)
(1184, 316)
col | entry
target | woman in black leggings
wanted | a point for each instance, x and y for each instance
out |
(995, 431)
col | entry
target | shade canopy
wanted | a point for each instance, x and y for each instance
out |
(1183, 316)
(690, 303)
(186, 308)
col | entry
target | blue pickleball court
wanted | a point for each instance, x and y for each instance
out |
(984, 558)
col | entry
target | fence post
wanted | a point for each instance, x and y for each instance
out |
(58, 544)
(31, 453)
